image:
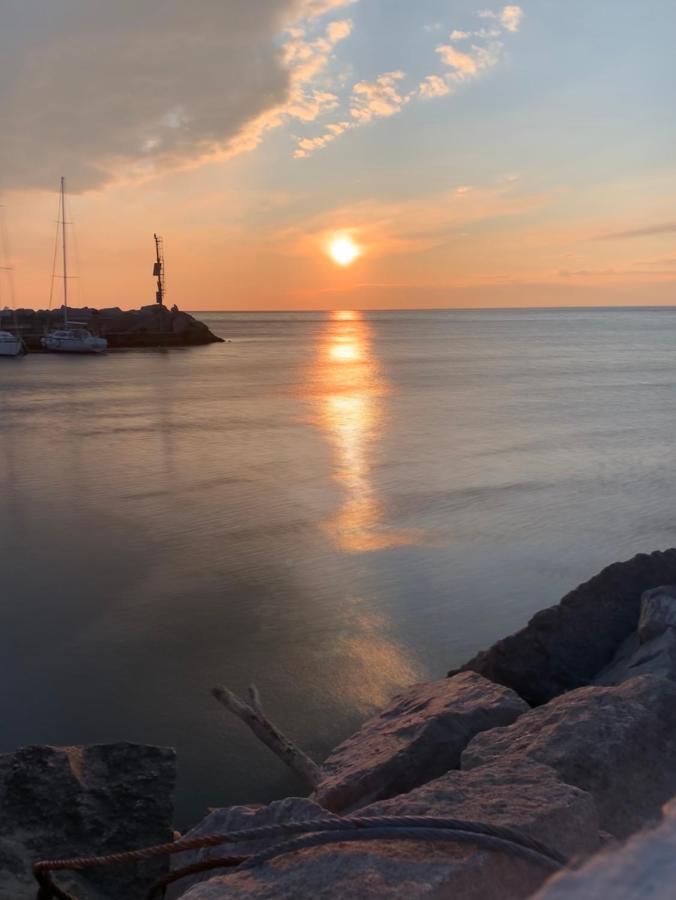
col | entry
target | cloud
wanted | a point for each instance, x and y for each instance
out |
(466, 65)
(434, 86)
(102, 91)
(385, 97)
(647, 231)
(377, 99)
(511, 17)
(415, 225)
(314, 9)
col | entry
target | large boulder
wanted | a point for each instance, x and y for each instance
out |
(645, 867)
(530, 798)
(396, 870)
(237, 818)
(651, 650)
(656, 657)
(60, 802)
(658, 613)
(419, 736)
(616, 743)
(564, 647)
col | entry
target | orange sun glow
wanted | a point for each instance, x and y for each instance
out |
(344, 251)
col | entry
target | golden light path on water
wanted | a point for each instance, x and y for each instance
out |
(352, 414)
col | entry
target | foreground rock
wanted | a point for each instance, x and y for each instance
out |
(616, 743)
(83, 801)
(566, 646)
(419, 736)
(531, 799)
(150, 326)
(644, 867)
(396, 870)
(237, 818)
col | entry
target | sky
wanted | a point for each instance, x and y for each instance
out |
(467, 154)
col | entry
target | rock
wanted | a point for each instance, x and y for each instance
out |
(419, 736)
(644, 867)
(658, 613)
(616, 743)
(396, 870)
(529, 797)
(566, 646)
(60, 802)
(657, 657)
(236, 818)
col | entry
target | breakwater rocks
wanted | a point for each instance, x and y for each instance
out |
(564, 734)
(150, 326)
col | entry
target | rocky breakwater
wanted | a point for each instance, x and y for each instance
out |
(564, 735)
(565, 732)
(150, 326)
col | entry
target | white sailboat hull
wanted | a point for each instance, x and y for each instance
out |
(79, 341)
(10, 345)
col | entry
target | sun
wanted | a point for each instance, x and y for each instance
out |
(344, 251)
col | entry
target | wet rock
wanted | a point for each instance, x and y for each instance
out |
(644, 867)
(616, 743)
(419, 736)
(566, 646)
(84, 801)
(237, 818)
(658, 613)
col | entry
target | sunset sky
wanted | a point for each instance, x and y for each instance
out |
(465, 154)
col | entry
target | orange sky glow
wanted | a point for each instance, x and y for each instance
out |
(353, 180)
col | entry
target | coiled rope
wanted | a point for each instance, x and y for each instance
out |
(310, 834)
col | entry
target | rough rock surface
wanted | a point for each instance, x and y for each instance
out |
(419, 736)
(530, 798)
(396, 870)
(617, 743)
(644, 867)
(658, 613)
(236, 818)
(83, 801)
(566, 646)
(656, 657)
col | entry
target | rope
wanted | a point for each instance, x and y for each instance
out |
(313, 833)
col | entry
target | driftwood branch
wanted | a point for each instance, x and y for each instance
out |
(252, 714)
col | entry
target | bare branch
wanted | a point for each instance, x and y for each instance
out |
(252, 715)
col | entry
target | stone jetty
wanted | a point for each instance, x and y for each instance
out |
(150, 326)
(564, 732)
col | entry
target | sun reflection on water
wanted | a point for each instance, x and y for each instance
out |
(352, 413)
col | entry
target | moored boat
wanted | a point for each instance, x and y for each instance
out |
(73, 337)
(10, 344)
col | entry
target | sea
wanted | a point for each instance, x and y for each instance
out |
(328, 505)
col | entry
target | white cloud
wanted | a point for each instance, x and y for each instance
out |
(511, 17)
(375, 99)
(460, 35)
(434, 86)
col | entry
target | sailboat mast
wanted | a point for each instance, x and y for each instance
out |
(65, 255)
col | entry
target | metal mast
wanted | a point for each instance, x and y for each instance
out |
(65, 255)
(158, 269)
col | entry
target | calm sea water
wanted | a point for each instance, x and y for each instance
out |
(331, 506)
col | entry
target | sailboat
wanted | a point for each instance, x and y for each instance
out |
(73, 337)
(10, 344)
